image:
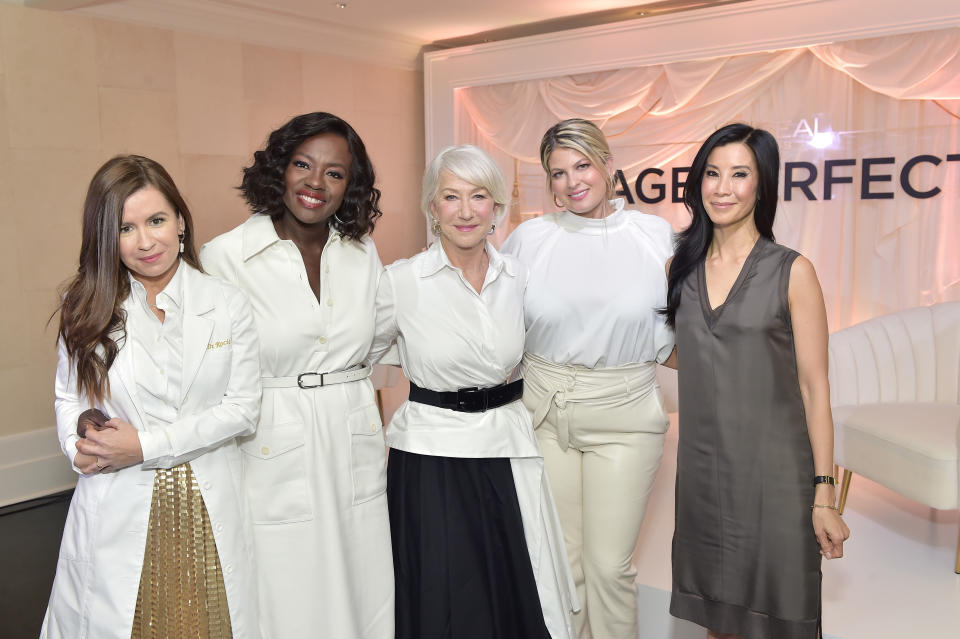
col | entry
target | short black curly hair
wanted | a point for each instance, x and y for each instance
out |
(263, 182)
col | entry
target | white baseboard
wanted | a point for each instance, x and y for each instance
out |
(32, 465)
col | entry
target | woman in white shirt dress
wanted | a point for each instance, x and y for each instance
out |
(158, 375)
(593, 340)
(477, 548)
(315, 470)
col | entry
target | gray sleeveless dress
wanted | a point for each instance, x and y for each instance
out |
(745, 557)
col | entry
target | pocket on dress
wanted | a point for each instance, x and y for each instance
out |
(368, 454)
(274, 474)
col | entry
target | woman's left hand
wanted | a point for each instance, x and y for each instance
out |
(831, 532)
(115, 447)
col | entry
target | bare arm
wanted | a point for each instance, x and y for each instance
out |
(809, 319)
(670, 362)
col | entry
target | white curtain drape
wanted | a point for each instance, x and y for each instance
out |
(893, 97)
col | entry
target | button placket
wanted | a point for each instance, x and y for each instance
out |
(325, 309)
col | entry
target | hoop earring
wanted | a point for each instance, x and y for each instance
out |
(435, 228)
(180, 235)
(336, 218)
(559, 205)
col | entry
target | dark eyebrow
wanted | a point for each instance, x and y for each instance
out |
(303, 155)
(737, 166)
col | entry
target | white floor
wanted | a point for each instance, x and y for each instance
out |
(895, 581)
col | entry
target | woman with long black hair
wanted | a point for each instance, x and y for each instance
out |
(755, 491)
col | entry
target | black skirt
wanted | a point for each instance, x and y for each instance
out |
(460, 558)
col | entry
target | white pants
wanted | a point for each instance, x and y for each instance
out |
(601, 431)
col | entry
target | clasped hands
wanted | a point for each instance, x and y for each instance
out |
(106, 444)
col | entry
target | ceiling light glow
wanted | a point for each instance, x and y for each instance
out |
(822, 139)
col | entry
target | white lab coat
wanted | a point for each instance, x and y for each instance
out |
(315, 472)
(101, 555)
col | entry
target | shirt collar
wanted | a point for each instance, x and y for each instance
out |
(170, 298)
(435, 258)
(259, 233)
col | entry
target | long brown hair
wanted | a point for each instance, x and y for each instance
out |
(92, 320)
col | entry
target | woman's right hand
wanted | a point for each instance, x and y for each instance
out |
(116, 446)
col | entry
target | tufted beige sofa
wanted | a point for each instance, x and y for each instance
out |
(895, 393)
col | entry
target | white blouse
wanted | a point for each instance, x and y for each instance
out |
(450, 337)
(594, 287)
(157, 349)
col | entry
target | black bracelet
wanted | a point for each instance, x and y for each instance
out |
(824, 479)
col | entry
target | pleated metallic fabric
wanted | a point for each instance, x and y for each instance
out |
(181, 593)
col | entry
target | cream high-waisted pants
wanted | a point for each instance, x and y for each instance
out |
(601, 431)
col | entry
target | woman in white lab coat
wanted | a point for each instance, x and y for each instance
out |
(315, 470)
(158, 374)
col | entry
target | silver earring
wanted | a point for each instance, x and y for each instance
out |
(492, 229)
(436, 227)
(180, 235)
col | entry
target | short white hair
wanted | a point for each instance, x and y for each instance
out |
(471, 164)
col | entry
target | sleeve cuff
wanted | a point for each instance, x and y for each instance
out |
(70, 449)
(153, 446)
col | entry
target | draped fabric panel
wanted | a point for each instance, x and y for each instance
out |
(877, 247)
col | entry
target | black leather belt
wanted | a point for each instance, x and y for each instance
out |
(469, 400)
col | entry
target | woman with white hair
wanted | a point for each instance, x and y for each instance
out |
(477, 548)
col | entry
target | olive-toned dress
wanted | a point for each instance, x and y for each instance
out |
(745, 558)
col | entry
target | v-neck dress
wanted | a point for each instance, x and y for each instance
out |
(745, 558)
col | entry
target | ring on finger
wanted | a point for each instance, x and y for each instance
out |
(99, 467)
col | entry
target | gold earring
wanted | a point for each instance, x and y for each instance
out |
(436, 227)
(558, 204)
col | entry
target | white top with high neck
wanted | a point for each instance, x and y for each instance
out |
(595, 286)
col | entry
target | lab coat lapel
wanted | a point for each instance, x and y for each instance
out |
(197, 300)
(123, 385)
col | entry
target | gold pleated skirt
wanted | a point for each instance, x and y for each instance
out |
(181, 590)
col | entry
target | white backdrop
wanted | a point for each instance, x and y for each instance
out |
(889, 99)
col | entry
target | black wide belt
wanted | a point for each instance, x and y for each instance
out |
(469, 400)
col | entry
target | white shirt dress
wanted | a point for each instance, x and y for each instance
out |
(315, 471)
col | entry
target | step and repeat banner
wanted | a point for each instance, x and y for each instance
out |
(869, 135)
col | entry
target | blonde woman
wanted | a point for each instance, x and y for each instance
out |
(593, 339)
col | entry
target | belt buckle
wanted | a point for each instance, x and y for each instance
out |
(472, 399)
(304, 385)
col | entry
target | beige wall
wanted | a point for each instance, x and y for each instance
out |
(75, 91)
